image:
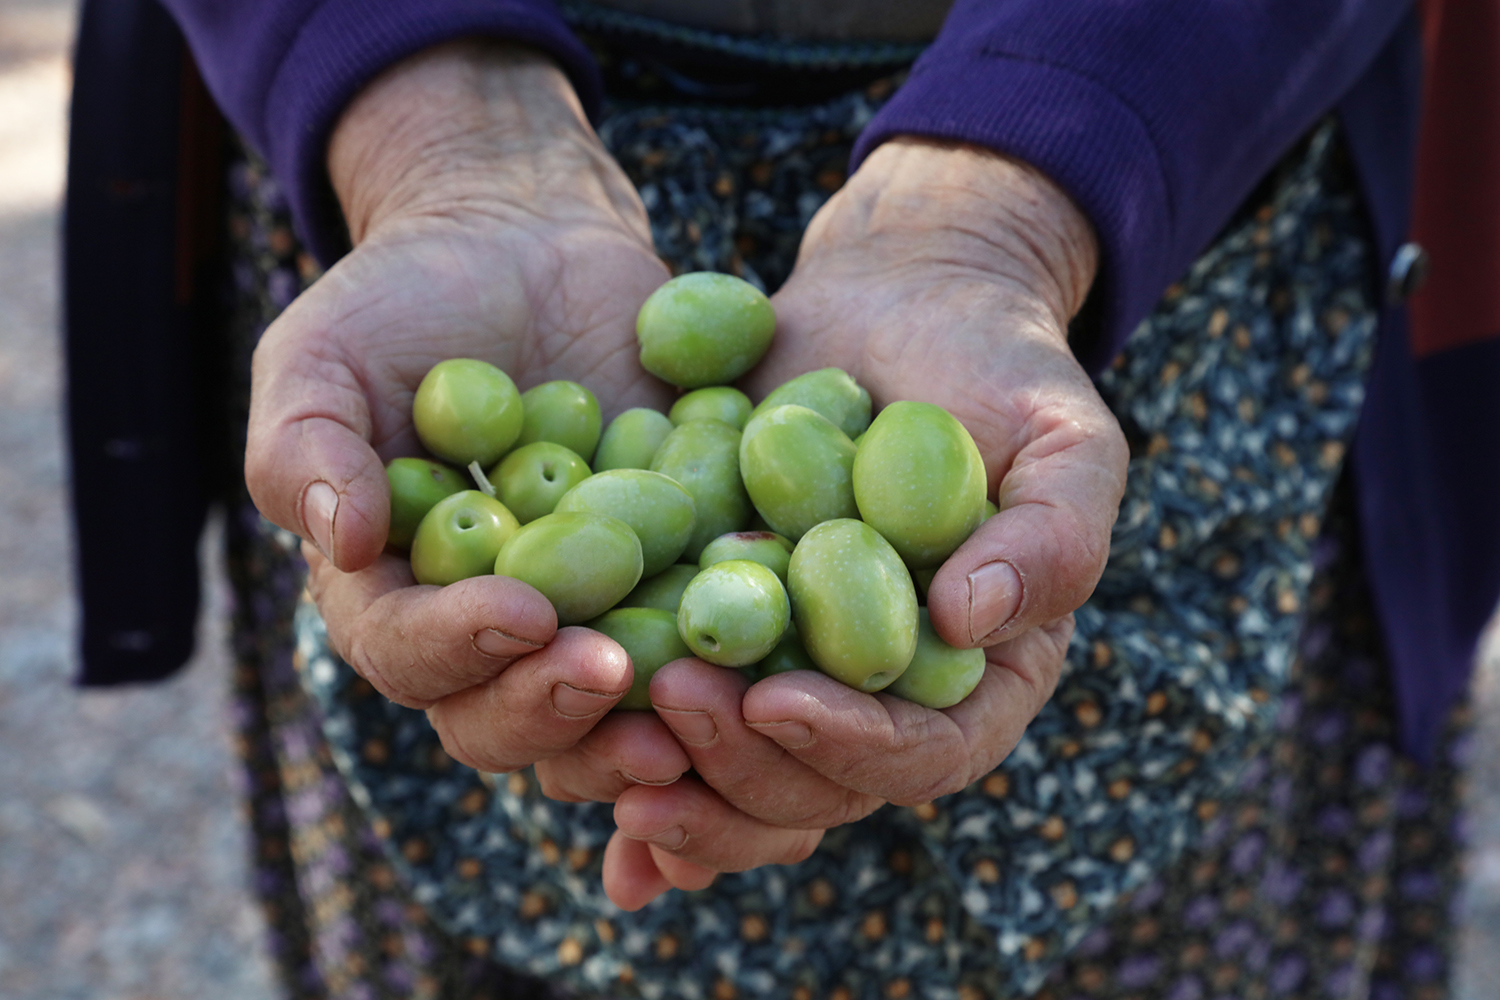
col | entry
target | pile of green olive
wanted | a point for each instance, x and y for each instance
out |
(794, 534)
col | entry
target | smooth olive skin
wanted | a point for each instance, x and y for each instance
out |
(416, 485)
(563, 412)
(657, 508)
(716, 402)
(649, 636)
(854, 604)
(797, 468)
(829, 391)
(631, 439)
(920, 482)
(467, 411)
(733, 613)
(940, 676)
(460, 537)
(534, 477)
(771, 550)
(788, 655)
(662, 591)
(704, 329)
(582, 563)
(704, 456)
(990, 510)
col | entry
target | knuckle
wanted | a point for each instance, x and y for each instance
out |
(437, 717)
(803, 847)
(553, 785)
(447, 720)
(363, 659)
(849, 806)
(935, 788)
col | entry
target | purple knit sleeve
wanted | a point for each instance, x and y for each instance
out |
(1158, 117)
(283, 70)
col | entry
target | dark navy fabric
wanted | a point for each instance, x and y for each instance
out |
(283, 70)
(1157, 117)
(136, 422)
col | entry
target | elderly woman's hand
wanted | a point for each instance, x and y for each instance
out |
(488, 222)
(946, 274)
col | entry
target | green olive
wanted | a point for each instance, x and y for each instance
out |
(704, 329)
(919, 480)
(649, 636)
(467, 411)
(582, 563)
(923, 580)
(562, 412)
(771, 550)
(704, 456)
(733, 613)
(716, 402)
(534, 477)
(939, 676)
(854, 604)
(662, 591)
(657, 508)
(631, 439)
(797, 469)
(788, 655)
(460, 537)
(416, 485)
(829, 391)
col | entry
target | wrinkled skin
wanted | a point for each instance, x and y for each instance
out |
(489, 223)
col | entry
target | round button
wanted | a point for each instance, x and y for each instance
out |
(1408, 271)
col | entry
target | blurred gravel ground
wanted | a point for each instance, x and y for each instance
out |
(122, 851)
(1479, 905)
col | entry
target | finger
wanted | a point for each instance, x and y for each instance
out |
(418, 644)
(624, 749)
(897, 750)
(1041, 556)
(682, 874)
(692, 823)
(701, 704)
(631, 878)
(308, 459)
(635, 873)
(540, 706)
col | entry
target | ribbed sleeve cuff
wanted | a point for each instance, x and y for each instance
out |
(346, 43)
(1078, 133)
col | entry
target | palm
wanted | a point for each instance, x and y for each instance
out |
(962, 344)
(405, 301)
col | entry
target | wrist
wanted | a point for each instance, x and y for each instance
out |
(469, 124)
(971, 212)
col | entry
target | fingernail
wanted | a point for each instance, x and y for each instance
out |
(670, 839)
(994, 598)
(792, 735)
(576, 703)
(697, 728)
(493, 642)
(634, 780)
(320, 502)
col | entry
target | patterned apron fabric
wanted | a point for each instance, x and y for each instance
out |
(1206, 809)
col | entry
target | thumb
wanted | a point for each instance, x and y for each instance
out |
(1041, 556)
(308, 460)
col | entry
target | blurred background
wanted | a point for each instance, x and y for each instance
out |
(123, 870)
